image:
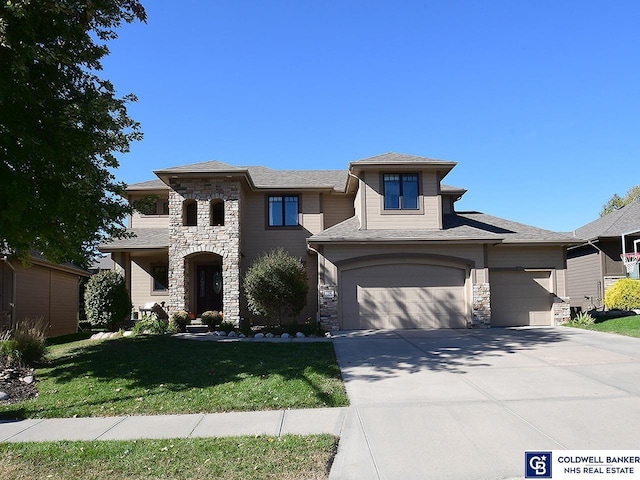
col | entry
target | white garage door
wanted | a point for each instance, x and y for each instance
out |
(520, 298)
(403, 296)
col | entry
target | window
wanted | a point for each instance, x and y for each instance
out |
(190, 213)
(216, 215)
(160, 275)
(400, 191)
(283, 210)
(164, 208)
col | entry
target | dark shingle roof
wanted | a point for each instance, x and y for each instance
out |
(144, 238)
(614, 224)
(148, 185)
(393, 157)
(464, 226)
(264, 177)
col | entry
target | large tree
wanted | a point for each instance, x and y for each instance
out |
(61, 126)
(616, 202)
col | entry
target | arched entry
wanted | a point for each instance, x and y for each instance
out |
(206, 283)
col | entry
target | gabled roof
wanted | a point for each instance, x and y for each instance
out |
(142, 239)
(614, 224)
(463, 227)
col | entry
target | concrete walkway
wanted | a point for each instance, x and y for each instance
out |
(273, 423)
(467, 404)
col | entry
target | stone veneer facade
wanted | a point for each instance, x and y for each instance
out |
(481, 305)
(185, 241)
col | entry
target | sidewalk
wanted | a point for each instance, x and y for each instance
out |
(273, 423)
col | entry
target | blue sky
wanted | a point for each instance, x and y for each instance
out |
(537, 101)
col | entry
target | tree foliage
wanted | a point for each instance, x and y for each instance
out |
(276, 285)
(616, 202)
(106, 300)
(623, 295)
(61, 126)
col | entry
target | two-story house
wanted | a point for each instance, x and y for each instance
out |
(382, 242)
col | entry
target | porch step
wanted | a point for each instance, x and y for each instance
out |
(196, 326)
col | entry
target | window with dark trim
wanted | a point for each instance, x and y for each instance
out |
(216, 214)
(401, 191)
(190, 213)
(160, 276)
(283, 210)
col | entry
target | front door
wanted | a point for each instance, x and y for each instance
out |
(208, 288)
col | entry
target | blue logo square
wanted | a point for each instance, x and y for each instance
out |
(537, 464)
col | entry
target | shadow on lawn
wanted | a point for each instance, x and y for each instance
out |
(176, 365)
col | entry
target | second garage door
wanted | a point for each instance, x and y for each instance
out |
(403, 296)
(520, 298)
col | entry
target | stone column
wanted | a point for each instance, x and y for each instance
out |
(481, 305)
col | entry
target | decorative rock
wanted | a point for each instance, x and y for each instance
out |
(242, 335)
(269, 335)
(3, 396)
(232, 334)
(128, 333)
(28, 379)
(222, 334)
(259, 335)
(300, 335)
(286, 335)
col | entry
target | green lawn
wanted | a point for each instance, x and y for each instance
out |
(163, 375)
(629, 326)
(242, 458)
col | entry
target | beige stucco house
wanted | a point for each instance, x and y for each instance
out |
(382, 242)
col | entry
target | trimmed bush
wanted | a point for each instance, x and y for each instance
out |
(227, 327)
(623, 295)
(211, 318)
(181, 319)
(26, 343)
(106, 300)
(276, 285)
(151, 324)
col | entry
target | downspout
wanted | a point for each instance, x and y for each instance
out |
(12, 304)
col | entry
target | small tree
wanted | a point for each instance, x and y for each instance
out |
(106, 300)
(276, 285)
(623, 295)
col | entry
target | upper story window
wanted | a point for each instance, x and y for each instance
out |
(216, 213)
(283, 210)
(190, 213)
(400, 191)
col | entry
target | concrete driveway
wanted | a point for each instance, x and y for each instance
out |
(467, 404)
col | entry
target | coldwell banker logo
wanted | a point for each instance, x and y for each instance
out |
(537, 464)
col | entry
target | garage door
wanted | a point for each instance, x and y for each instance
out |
(403, 296)
(520, 298)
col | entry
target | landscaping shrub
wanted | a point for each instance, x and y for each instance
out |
(181, 319)
(623, 295)
(276, 285)
(227, 327)
(26, 343)
(582, 320)
(211, 318)
(151, 324)
(106, 300)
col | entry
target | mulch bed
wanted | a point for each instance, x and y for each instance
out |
(11, 382)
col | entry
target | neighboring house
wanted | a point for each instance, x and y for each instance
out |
(595, 264)
(382, 244)
(42, 289)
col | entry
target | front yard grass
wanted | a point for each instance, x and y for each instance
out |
(629, 326)
(288, 457)
(166, 375)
